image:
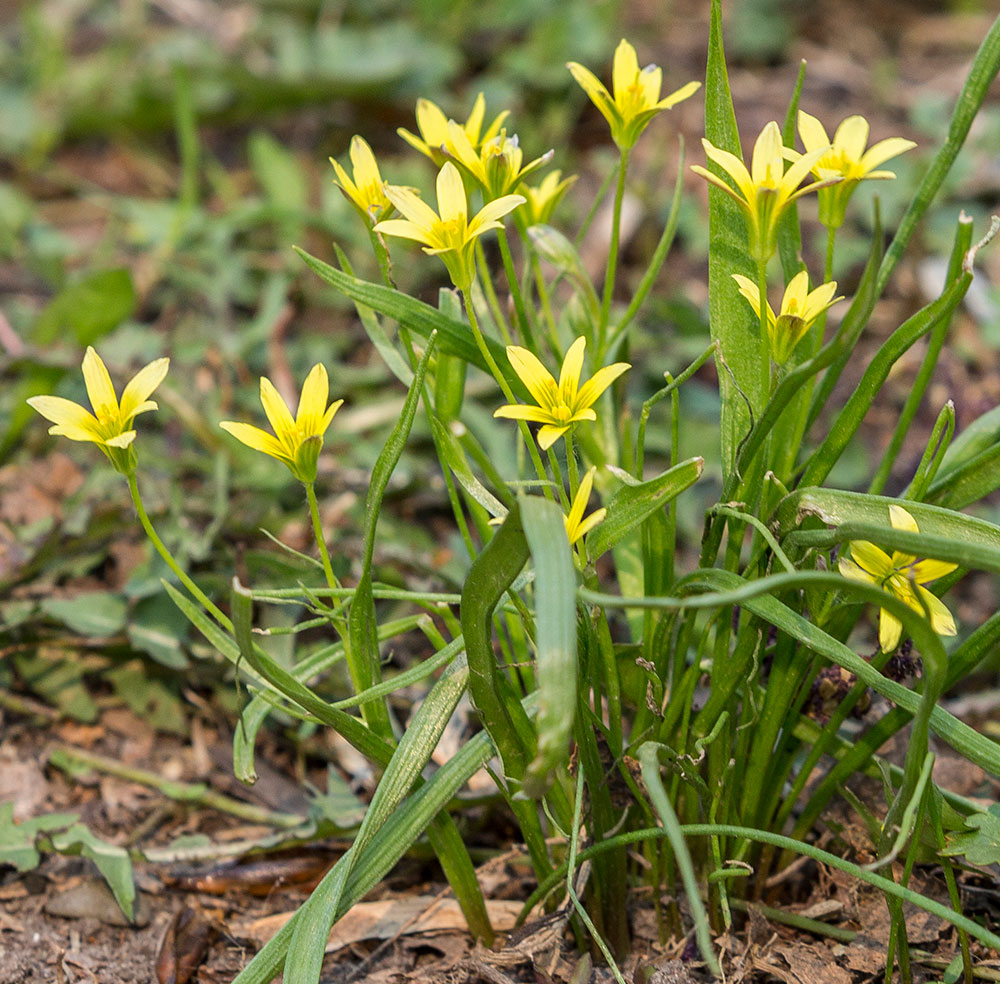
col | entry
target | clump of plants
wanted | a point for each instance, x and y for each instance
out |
(582, 634)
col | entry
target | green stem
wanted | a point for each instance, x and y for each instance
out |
(515, 290)
(168, 558)
(317, 525)
(609, 277)
(508, 393)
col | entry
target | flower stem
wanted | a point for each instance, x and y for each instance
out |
(168, 558)
(506, 390)
(317, 525)
(515, 290)
(609, 277)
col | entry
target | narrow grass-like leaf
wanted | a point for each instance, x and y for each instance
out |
(968, 483)
(454, 457)
(555, 637)
(938, 334)
(857, 405)
(727, 589)
(453, 336)
(387, 846)
(361, 620)
(491, 574)
(307, 945)
(635, 501)
(977, 84)
(650, 763)
(376, 333)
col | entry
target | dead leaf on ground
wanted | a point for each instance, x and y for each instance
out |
(386, 918)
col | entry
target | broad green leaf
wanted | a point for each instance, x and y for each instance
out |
(17, 840)
(947, 535)
(635, 501)
(450, 370)
(59, 680)
(730, 318)
(278, 172)
(112, 861)
(555, 637)
(980, 844)
(88, 309)
(96, 614)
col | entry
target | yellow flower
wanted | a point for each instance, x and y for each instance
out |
(497, 165)
(562, 404)
(366, 191)
(110, 425)
(576, 526)
(901, 575)
(636, 97)
(542, 201)
(766, 190)
(297, 442)
(800, 307)
(449, 234)
(433, 127)
(847, 158)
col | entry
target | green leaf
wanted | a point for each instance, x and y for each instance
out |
(635, 501)
(453, 455)
(96, 614)
(555, 638)
(730, 317)
(453, 336)
(849, 419)
(112, 861)
(278, 173)
(969, 482)
(58, 680)
(947, 535)
(17, 840)
(981, 842)
(88, 309)
(361, 619)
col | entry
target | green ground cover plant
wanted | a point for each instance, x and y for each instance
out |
(647, 721)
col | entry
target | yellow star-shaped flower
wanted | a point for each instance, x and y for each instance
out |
(800, 307)
(767, 189)
(447, 233)
(846, 158)
(901, 575)
(497, 165)
(110, 425)
(543, 199)
(562, 404)
(433, 127)
(576, 526)
(636, 98)
(366, 189)
(296, 441)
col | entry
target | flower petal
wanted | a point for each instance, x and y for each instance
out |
(254, 437)
(597, 384)
(452, 203)
(941, 619)
(812, 132)
(569, 375)
(533, 374)
(625, 69)
(67, 414)
(889, 630)
(278, 414)
(99, 387)
(312, 402)
(549, 434)
(902, 520)
(733, 166)
(849, 569)
(851, 137)
(925, 571)
(873, 559)
(140, 386)
(882, 151)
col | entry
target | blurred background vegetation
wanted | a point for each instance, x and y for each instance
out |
(159, 159)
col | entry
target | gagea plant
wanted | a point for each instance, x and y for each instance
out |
(647, 705)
